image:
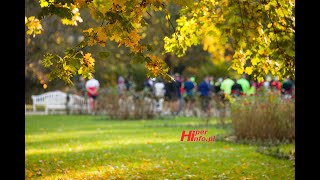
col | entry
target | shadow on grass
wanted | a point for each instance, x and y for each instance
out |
(56, 123)
(101, 136)
(128, 154)
(147, 159)
(190, 125)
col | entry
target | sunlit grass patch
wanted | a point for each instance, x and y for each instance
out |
(93, 147)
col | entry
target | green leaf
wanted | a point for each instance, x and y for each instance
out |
(183, 2)
(138, 58)
(100, 14)
(147, 59)
(104, 55)
(114, 16)
(242, 43)
(63, 13)
(69, 51)
(143, 23)
(75, 62)
(47, 60)
(68, 2)
(82, 44)
(150, 47)
(290, 52)
(127, 24)
(223, 40)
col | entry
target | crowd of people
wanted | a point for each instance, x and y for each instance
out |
(181, 95)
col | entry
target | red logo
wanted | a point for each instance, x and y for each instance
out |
(192, 136)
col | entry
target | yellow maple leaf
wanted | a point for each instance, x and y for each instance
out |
(156, 66)
(88, 60)
(79, 3)
(91, 42)
(248, 70)
(34, 26)
(101, 36)
(272, 71)
(43, 3)
(119, 2)
(134, 36)
(80, 70)
(254, 61)
(75, 17)
(88, 30)
(45, 86)
(260, 30)
(260, 79)
(115, 37)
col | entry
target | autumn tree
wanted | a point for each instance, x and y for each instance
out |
(261, 33)
(55, 39)
(257, 35)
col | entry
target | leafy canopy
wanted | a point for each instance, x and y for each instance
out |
(258, 33)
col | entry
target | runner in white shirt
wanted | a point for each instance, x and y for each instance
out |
(92, 87)
(159, 91)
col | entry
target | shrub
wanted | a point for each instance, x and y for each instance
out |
(130, 106)
(264, 116)
(277, 152)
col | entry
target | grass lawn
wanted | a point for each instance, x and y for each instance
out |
(93, 147)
